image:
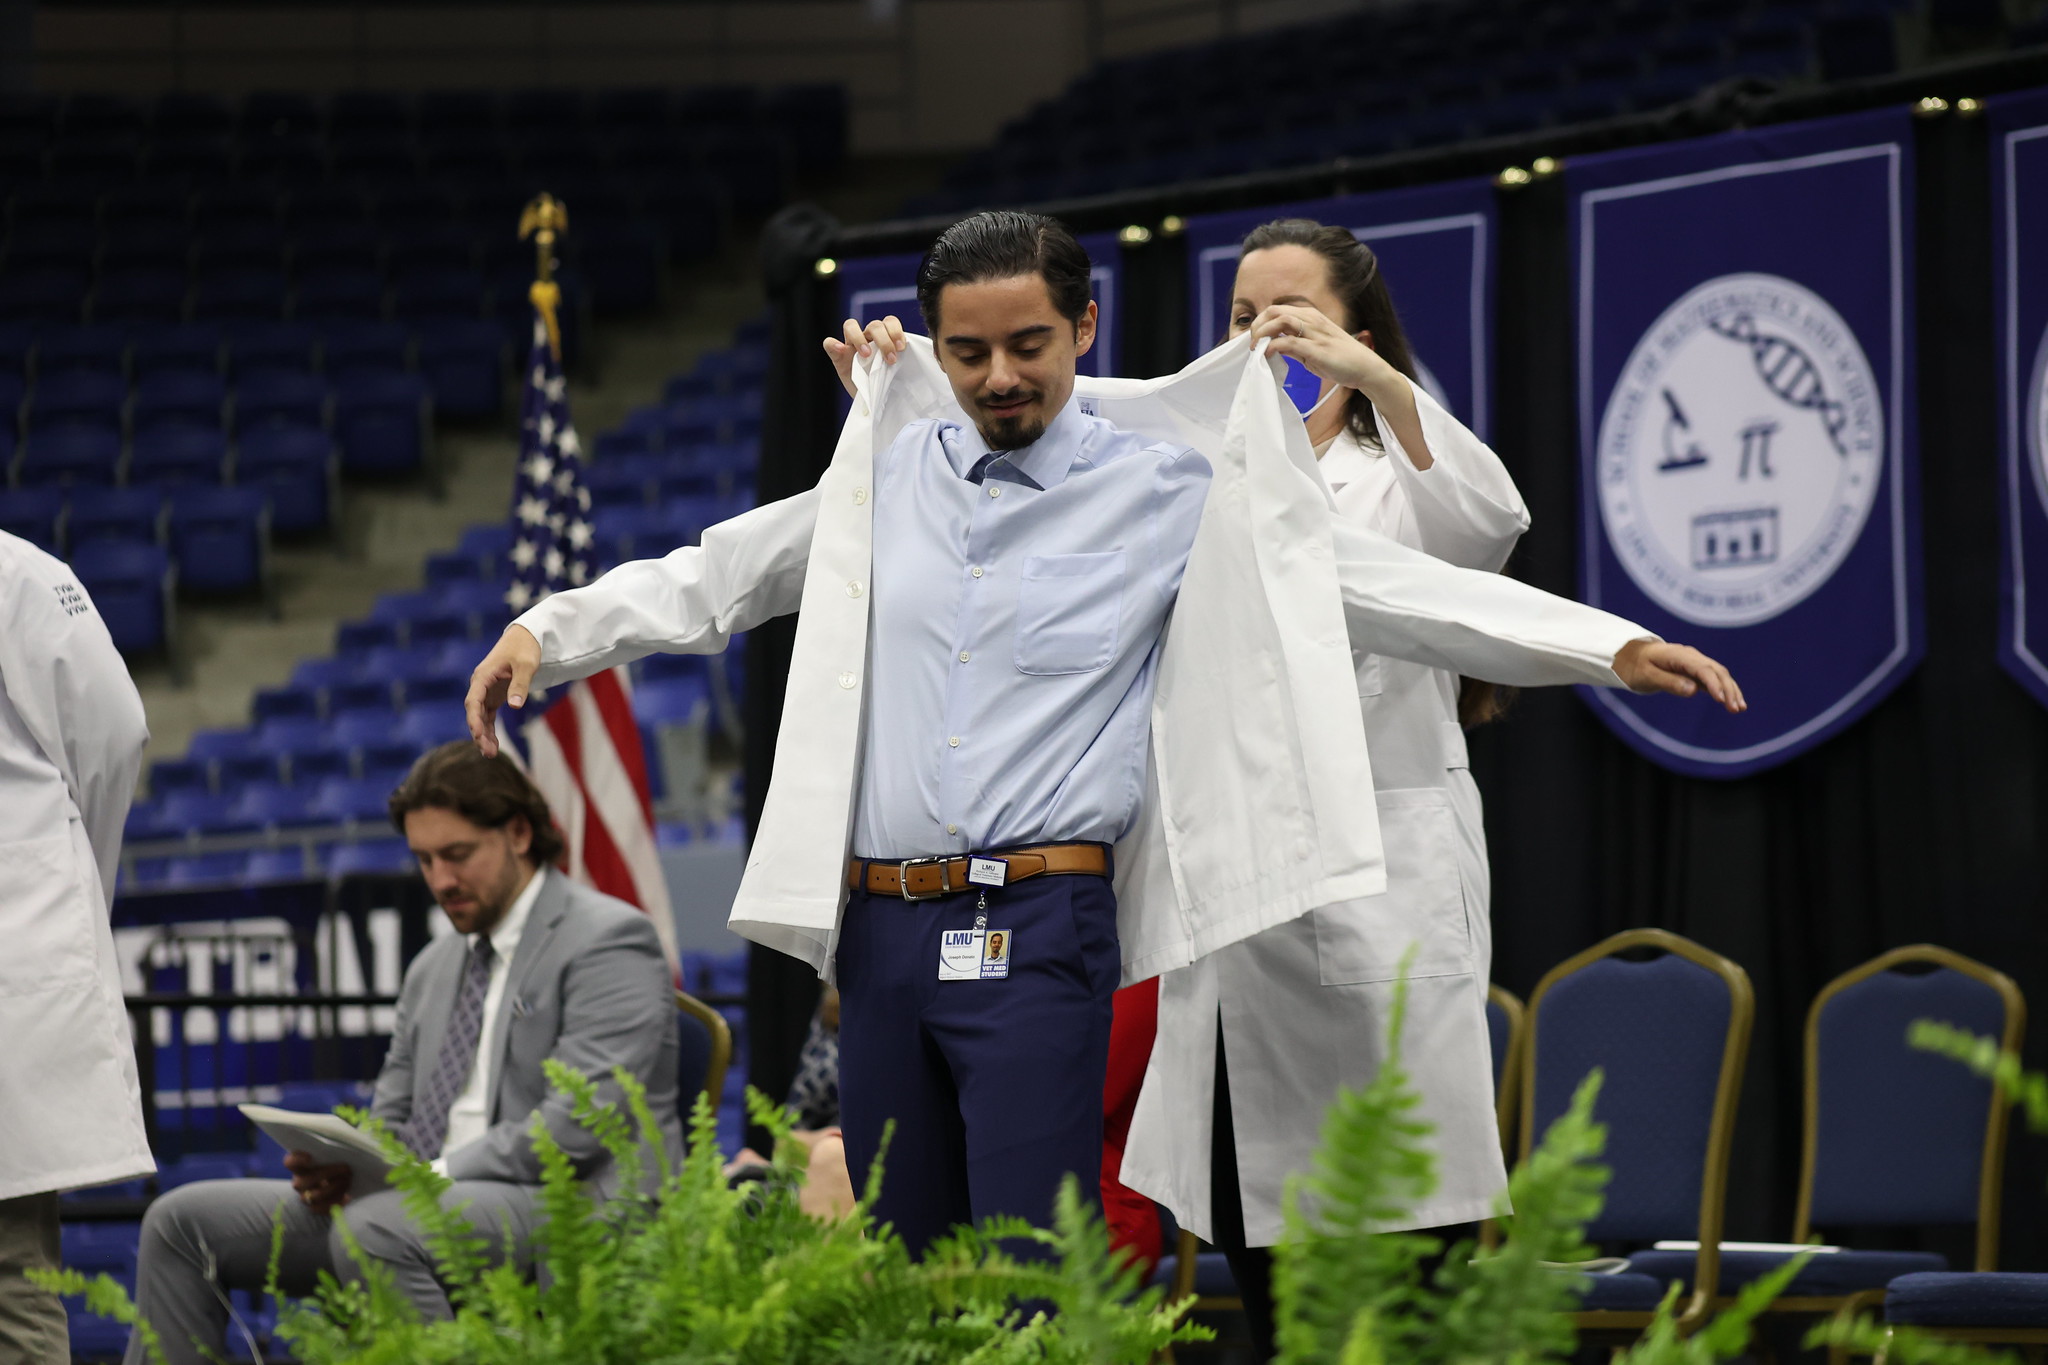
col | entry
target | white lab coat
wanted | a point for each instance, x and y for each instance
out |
(1259, 794)
(71, 739)
(1304, 1006)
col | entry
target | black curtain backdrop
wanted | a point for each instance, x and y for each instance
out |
(1923, 823)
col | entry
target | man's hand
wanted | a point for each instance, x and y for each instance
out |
(884, 335)
(1681, 670)
(320, 1188)
(502, 679)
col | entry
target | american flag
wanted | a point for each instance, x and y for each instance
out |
(581, 746)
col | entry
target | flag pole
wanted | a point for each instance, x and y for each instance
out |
(544, 220)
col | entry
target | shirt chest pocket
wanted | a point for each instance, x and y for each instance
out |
(1069, 612)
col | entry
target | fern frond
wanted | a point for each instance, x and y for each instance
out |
(1899, 1345)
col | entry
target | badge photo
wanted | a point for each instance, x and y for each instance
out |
(997, 947)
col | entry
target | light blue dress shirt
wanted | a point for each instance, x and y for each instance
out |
(1019, 600)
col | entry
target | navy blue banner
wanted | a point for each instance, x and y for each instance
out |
(872, 287)
(1749, 477)
(1436, 250)
(2019, 161)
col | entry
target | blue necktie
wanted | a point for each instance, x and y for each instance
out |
(429, 1127)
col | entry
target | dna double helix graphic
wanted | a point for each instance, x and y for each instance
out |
(1787, 372)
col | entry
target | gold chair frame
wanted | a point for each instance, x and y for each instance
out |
(1991, 1175)
(1508, 1102)
(721, 1043)
(1721, 1126)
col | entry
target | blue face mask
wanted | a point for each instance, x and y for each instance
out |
(1302, 385)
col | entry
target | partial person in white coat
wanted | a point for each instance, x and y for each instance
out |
(1255, 1039)
(71, 739)
(983, 686)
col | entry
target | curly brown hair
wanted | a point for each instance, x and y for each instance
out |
(490, 792)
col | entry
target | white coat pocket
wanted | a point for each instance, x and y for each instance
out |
(1069, 608)
(1423, 905)
(46, 917)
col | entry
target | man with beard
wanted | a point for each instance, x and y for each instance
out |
(537, 967)
(959, 755)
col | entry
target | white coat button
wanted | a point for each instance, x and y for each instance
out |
(995, 492)
(853, 588)
(976, 571)
(860, 495)
(952, 829)
(847, 680)
(954, 742)
(965, 656)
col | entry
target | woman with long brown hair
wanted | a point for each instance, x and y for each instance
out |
(1258, 1037)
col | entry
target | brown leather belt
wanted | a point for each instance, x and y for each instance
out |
(923, 879)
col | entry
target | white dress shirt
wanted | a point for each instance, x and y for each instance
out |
(470, 1115)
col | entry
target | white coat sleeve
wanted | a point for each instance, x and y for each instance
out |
(71, 689)
(691, 601)
(1466, 507)
(1406, 604)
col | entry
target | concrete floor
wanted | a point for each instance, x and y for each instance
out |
(227, 651)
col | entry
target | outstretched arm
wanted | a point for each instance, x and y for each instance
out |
(691, 601)
(1401, 602)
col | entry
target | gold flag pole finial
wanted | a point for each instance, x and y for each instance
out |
(544, 220)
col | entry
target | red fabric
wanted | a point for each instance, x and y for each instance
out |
(603, 865)
(1133, 1221)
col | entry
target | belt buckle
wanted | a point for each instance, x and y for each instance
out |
(903, 876)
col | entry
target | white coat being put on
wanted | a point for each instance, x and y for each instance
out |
(71, 738)
(1304, 1007)
(1259, 801)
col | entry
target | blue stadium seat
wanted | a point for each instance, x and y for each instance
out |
(174, 346)
(349, 798)
(382, 421)
(363, 729)
(294, 699)
(622, 481)
(69, 455)
(277, 865)
(320, 674)
(141, 293)
(361, 694)
(221, 537)
(402, 608)
(452, 566)
(98, 346)
(444, 690)
(622, 441)
(266, 396)
(339, 292)
(178, 454)
(427, 726)
(490, 541)
(168, 775)
(34, 514)
(354, 638)
(463, 362)
(77, 398)
(212, 869)
(271, 346)
(241, 295)
(441, 628)
(438, 293)
(355, 344)
(43, 296)
(189, 814)
(134, 515)
(378, 857)
(271, 805)
(189, 398)
(296, 467)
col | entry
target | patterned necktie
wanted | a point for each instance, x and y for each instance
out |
(429, 1128)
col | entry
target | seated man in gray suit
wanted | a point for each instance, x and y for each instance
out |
(538, 967)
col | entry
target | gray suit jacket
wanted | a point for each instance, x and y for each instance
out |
(588, 987)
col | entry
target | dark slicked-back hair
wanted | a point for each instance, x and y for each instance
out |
(1000, 245)
(489, 792)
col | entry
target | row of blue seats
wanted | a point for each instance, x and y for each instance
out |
(381, 421)
(294, 467)
(257, 807)
(445, 240)
(799, 109)
(206, 400)
(217, 538)
(151, 294)
(364, 736)
(142, 349)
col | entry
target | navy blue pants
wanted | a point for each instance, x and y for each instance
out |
(995, 1086)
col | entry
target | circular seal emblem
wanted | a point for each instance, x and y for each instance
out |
(1741, 450)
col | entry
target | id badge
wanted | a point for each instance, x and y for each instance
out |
(960, 954)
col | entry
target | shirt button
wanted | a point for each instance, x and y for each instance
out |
(860, 495)
(847, 680)
(853, 588)
(995, 492)
(953, 742)
(976, 571)
(952, 829)
(965, 656)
